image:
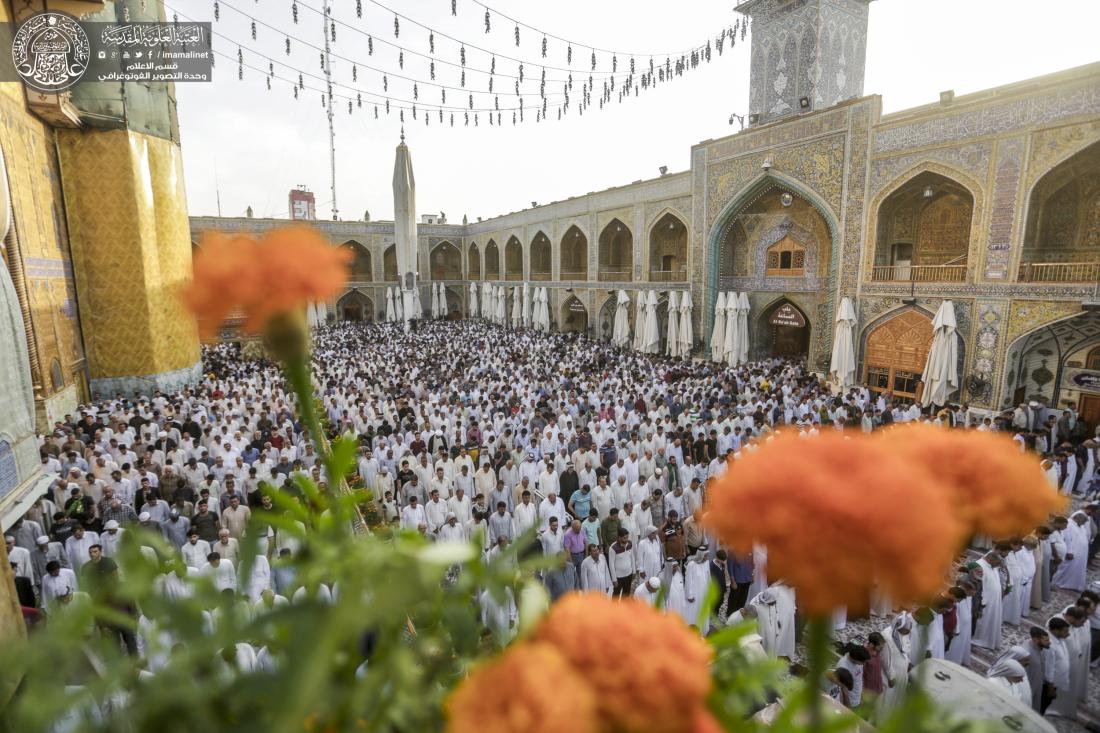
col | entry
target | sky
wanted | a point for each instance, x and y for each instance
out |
(249, 146)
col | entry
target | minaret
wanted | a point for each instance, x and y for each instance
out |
(806, 55)
(404, 225)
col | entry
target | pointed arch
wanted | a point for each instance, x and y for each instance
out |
(616, 252)
(361, 267)
(389, 264)
(573, 254)
(893, 352)
(925, 229)
(541, 257)
(355, 305)
(492, 261)
(473, 262)
(745, 197)
(572, 316)
(1061, 241)
(668, 248)
(513, 259)
(445, 262)
(782, 328)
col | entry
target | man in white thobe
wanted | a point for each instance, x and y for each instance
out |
(696, 582)
(987, 634)
(595, 575)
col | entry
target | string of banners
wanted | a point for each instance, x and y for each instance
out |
(419, 72)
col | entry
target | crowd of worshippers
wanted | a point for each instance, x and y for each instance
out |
(599, 456)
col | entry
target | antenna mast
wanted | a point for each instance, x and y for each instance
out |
(328, 85)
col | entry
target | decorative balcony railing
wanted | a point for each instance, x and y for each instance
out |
(668, 276)
(919, 273)
(515, 276)
(1058, 272)
(542, 276)
(615, 274)
(574, 274)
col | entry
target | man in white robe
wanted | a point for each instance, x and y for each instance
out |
(1025, 561)
(649, 554)
(20, 558)
(959, 649)
(696, 583)
(647, 592)
(1063, 705)
(260, 580)
(672, 580)
(894, 659)
(1072, 570)
(500, 615)
(1010, 602)
(988, 634)
(595, 575)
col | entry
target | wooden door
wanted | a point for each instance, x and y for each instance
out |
(1088, 408)
(895, 355)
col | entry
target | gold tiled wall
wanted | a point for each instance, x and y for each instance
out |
(127, 213)
(34, 177)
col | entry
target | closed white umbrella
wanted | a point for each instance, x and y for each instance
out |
(434, 306)
(941, 371)
(311, 315)
(672, 330)
(391, 314)
(651, 343)
(471, 311)
(443, 310)
(686, 332)
(639, 320)
(620, 335)
(322, 313)
(731, 352)
(718, 333)
(486, 294)
(743, 328)
(398, 305)
(842, 366)
(517, 307)
(526, 305)
(502, 313)
(536, 309)
(418, 306)
(544, 309)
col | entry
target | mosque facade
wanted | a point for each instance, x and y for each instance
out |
(990, 200)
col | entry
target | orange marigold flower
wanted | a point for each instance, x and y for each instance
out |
(530, 688)
(277, 274)
(995, 489)
(838, 512)
(705, 722)
(650, 672)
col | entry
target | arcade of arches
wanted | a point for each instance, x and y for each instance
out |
(574, 316)
(541, 268)
(389, 264)
(355, 306)
(574, 255)
(445, 262)
(492, 261)
(361, 270)
(668, 250)
(924, 231)
(895, 352)
(513, 260)
(616, 253)
(776, 221)
(1062, 237)
(473, 263)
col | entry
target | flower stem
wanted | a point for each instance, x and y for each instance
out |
(817, 649)
(297, 372)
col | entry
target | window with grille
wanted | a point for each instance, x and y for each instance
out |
(786, 258)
